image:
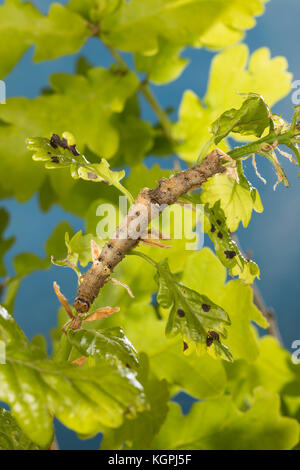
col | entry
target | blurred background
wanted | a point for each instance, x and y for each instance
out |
(272, 237)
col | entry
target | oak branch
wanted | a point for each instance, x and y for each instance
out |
(148, 205)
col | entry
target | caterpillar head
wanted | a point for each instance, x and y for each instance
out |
(81, 305)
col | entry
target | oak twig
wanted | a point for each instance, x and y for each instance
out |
(148, 95)
(149, 204)
(268, 313)
(258, 300)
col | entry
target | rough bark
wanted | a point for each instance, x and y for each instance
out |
(149, 204)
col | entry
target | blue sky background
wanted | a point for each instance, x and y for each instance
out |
(272, 237)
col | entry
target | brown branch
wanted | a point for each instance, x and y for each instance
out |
(149, 204)
(268, 313)
(258, 300)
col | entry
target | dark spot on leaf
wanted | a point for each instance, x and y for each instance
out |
(213, 228)
(55, 159)
(180, 312)
(185, 346)
(92, 176)
(211, 337)
(230, 254)
(205, 307)
(220, 235)
(214, 335)
(219, 222)
(64, 144)
(54, 141)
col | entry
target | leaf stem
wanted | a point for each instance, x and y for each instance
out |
(158, 110)
(254, 147)
(144, 256)
(149, 96)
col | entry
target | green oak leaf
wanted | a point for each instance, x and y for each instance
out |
(11, 436)
(24, 265)
(163, 67)
(237, 200)
(71, 106)
(55, 245)
(136, 135)
(82, 398)
(200, 376)
(66, 155)
(224, 427)
(79, 247)
(192, 314)
(226, 248)
(205, 273)
(27, 263)
(139, 433)
(137, 26)
(232, 73)
(93, 10)
(110, 344)
(22, 25)
(252, 118)
(273, 369)
(47, 196)
(98, 172)
(78, 251)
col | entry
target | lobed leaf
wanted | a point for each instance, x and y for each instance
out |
(226, 248)
(70, 105)
(24, 265)
(58, 153)
(200, 376)
(22, 25)
(137, 26)
(110, 344)
(11, 436)
(84, 399)
(205, 273)
(232, 74)
(224, 427)
(192, 314)
(140, 432)
(163, 67)
(252, 118)
(273, 369)
(237, 200)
